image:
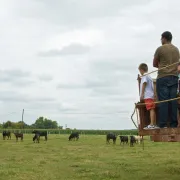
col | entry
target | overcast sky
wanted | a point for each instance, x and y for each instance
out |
(75, 61)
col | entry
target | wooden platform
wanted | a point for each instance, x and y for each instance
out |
(157, 135)
(162, 135)
(166, 138)
(164, 131)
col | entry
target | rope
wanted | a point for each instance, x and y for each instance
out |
(158, 102)
(159, 69)
(132, 117)
(137, 113)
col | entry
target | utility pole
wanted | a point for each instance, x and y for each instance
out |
(23, 118)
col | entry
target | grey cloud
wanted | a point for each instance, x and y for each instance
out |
(72, 49)
(113, 77)
(43, 106)
(121, 97)
(43, 99)
(45, 77)
(49, 105)
(70, 86)
(73, 13)
(107, 78)
(16, 77)
(112, 91)
(67, 110)
(14, 74)
(14, 96)
(23, 83)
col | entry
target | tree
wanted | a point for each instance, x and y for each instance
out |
(44, 123)
(7, 124)
(40, 123)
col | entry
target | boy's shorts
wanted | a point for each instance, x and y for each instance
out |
(150, 104)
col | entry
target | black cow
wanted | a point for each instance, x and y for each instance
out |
(6, 133)
(123, 139)
(19, 135)
(132, 140)
(74, 135)
(41, 133)
(36, 138)
(111, 136)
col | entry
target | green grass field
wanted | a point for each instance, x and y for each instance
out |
(87, 159)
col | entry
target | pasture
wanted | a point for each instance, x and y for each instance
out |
(90, 158)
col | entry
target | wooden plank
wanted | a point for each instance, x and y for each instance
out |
(166, 138)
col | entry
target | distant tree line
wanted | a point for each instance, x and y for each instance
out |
(40, 123)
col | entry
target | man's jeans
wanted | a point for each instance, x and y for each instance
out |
(167, 89)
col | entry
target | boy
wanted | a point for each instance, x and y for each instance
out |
(147, 94)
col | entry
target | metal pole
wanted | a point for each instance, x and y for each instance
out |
(142, 142)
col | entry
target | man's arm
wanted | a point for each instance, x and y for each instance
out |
(155, 62)
(156, 59)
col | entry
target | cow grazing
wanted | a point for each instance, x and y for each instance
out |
(6, 133)
(74, 135)
(36, 138)
(41, 133)
(123, 139)
(111, 136)
(132, 140)
(19, 135)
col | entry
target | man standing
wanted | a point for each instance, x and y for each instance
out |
(167, 79)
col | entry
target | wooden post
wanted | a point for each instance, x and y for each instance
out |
(139, 81)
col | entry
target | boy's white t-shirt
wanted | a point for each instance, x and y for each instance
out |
(149, 89)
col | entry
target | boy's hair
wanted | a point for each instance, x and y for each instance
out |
(143, 67)
(178, 64)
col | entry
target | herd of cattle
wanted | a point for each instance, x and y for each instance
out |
(36, 137)
(75, 136)
(124, 139)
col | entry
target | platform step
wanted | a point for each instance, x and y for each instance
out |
(166, 138)
(161, 131)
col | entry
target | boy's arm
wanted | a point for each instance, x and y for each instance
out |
(143, 90)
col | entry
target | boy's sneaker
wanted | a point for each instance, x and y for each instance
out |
(149, 127)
